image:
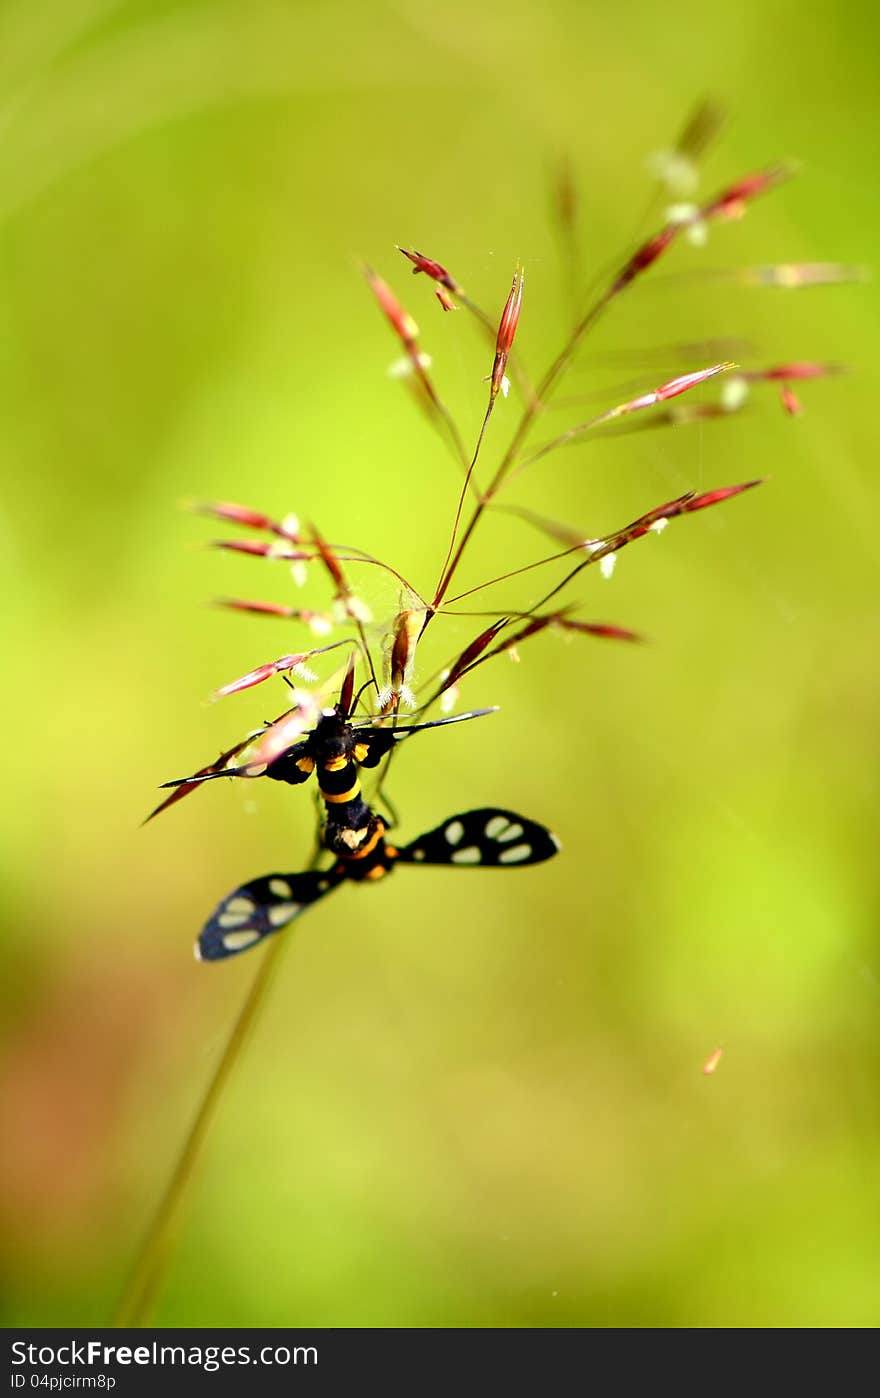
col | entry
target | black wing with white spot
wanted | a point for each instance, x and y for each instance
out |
(259, 908)
(483, 839)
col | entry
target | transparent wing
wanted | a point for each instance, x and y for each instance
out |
(292, 766)
(185, 785)
(373, 743)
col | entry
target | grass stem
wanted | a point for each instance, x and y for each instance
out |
(152, 1261)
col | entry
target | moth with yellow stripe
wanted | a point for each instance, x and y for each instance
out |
(336, 748)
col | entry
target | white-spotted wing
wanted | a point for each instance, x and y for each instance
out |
(259, 908)
(485, 839)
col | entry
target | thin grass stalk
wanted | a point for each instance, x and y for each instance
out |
(151, 1264)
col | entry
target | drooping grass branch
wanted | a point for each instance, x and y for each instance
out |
(729, 203)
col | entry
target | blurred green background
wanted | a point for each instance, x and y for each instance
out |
(472, 1100)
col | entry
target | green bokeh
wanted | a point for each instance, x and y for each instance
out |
(471, 1100)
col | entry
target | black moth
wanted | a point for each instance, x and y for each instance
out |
(354, 833)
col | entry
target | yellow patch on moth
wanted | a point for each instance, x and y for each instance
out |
(281, 888)
(361, 750)
(515, 855)
(237, 941)
(378, 872)
(353, 838)
(306, 764)
(335, 764)
(453, 832)
(281, 913)
(232, 919)
(340, 798)
(469, 855)
(241, 904)
(513, 832)
(370, 844)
